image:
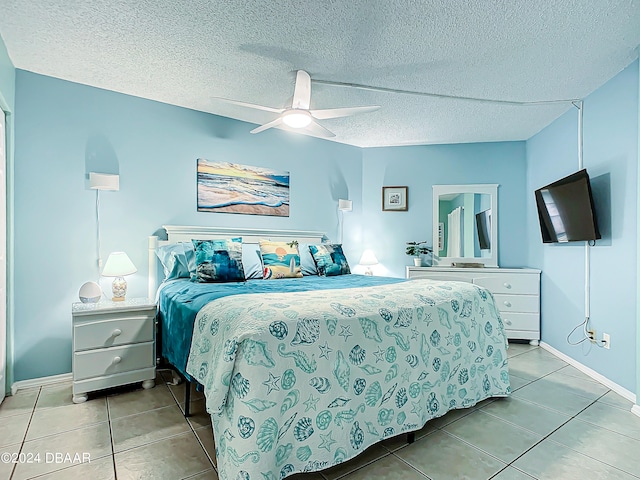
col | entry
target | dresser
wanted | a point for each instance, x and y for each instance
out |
(516, 291)
(113, 345)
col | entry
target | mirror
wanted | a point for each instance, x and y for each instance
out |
(465, 224)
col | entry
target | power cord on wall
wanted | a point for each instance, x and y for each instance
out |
(586, 330)
(585, 335)
(98, 256)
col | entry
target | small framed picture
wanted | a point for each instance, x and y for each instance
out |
(395, 199)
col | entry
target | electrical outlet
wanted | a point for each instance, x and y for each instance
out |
(606, 341)
(591, 334)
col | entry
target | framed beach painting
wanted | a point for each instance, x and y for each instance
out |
(225, 187)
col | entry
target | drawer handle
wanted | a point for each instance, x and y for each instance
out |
(116, 360)
(508, 322)
(507, 303)
(507, 285)
(116, 332)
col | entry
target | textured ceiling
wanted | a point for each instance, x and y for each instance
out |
(187, 52)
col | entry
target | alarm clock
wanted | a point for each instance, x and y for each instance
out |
(90, 292)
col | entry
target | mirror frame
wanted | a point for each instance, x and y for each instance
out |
(489, 189)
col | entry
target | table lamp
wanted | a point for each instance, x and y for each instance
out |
(368, 259)
(118, 265)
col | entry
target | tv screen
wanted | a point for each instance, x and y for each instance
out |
(483, 225)
(566, 211)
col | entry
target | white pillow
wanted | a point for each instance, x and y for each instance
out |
(251, 260)
(307, 263)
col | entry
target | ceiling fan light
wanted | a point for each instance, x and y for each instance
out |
(296, 119)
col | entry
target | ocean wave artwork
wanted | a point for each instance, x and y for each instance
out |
(233, 188)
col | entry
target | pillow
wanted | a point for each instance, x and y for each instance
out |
(330, 259)
(218, 260)
(178, 260)
(280, 260)
(307, 263)
(251, 261)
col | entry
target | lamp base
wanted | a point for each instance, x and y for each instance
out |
(368, 271)
(119, 289)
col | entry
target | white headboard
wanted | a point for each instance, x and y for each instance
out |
(182, 233)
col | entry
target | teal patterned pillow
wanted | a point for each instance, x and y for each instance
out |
(218, 260)
(330, 259)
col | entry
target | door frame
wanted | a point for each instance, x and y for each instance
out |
(4, 333)
(5, 387)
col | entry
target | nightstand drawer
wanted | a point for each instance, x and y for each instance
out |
(110, 333)
(520, 321)
(517, 303)
(107, 361)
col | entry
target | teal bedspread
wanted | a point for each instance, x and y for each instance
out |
(298, 382)
(181, 300)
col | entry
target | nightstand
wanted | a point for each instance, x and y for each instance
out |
(113, 344)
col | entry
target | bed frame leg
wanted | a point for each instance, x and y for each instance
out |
(187, 398)
(411, 437)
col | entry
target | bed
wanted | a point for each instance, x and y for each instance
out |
(298, 381)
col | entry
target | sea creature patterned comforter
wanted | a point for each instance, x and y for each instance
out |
(298, 382)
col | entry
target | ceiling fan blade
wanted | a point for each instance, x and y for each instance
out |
(266, 126)
(250, 105)
(316, 129)
(302, 91)
(325, 113)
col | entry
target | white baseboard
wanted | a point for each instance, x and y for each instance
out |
(623, 392)
(39, 382)
(636, 409)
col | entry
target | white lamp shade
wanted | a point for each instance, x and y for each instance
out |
(368, 258)
(345, 205)
(117, 265)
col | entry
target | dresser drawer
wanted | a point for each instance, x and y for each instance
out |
(107, 361)
(113, 332)
(510, 284)
(520, 321)
(442, 276)
(517, 303)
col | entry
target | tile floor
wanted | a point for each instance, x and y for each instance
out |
(558, 424)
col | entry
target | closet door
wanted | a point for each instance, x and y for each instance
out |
(3, 257)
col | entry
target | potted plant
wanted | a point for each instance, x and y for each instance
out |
(416, 249)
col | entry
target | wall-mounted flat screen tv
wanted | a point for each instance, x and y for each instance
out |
(566, 211)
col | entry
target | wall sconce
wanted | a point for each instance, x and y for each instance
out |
(345, 205)
(104, 181)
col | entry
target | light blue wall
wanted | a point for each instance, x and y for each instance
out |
(7, 104)
(421, 167)
(610, 157)
(64, 130)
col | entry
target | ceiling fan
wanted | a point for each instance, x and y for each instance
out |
(299, 115)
